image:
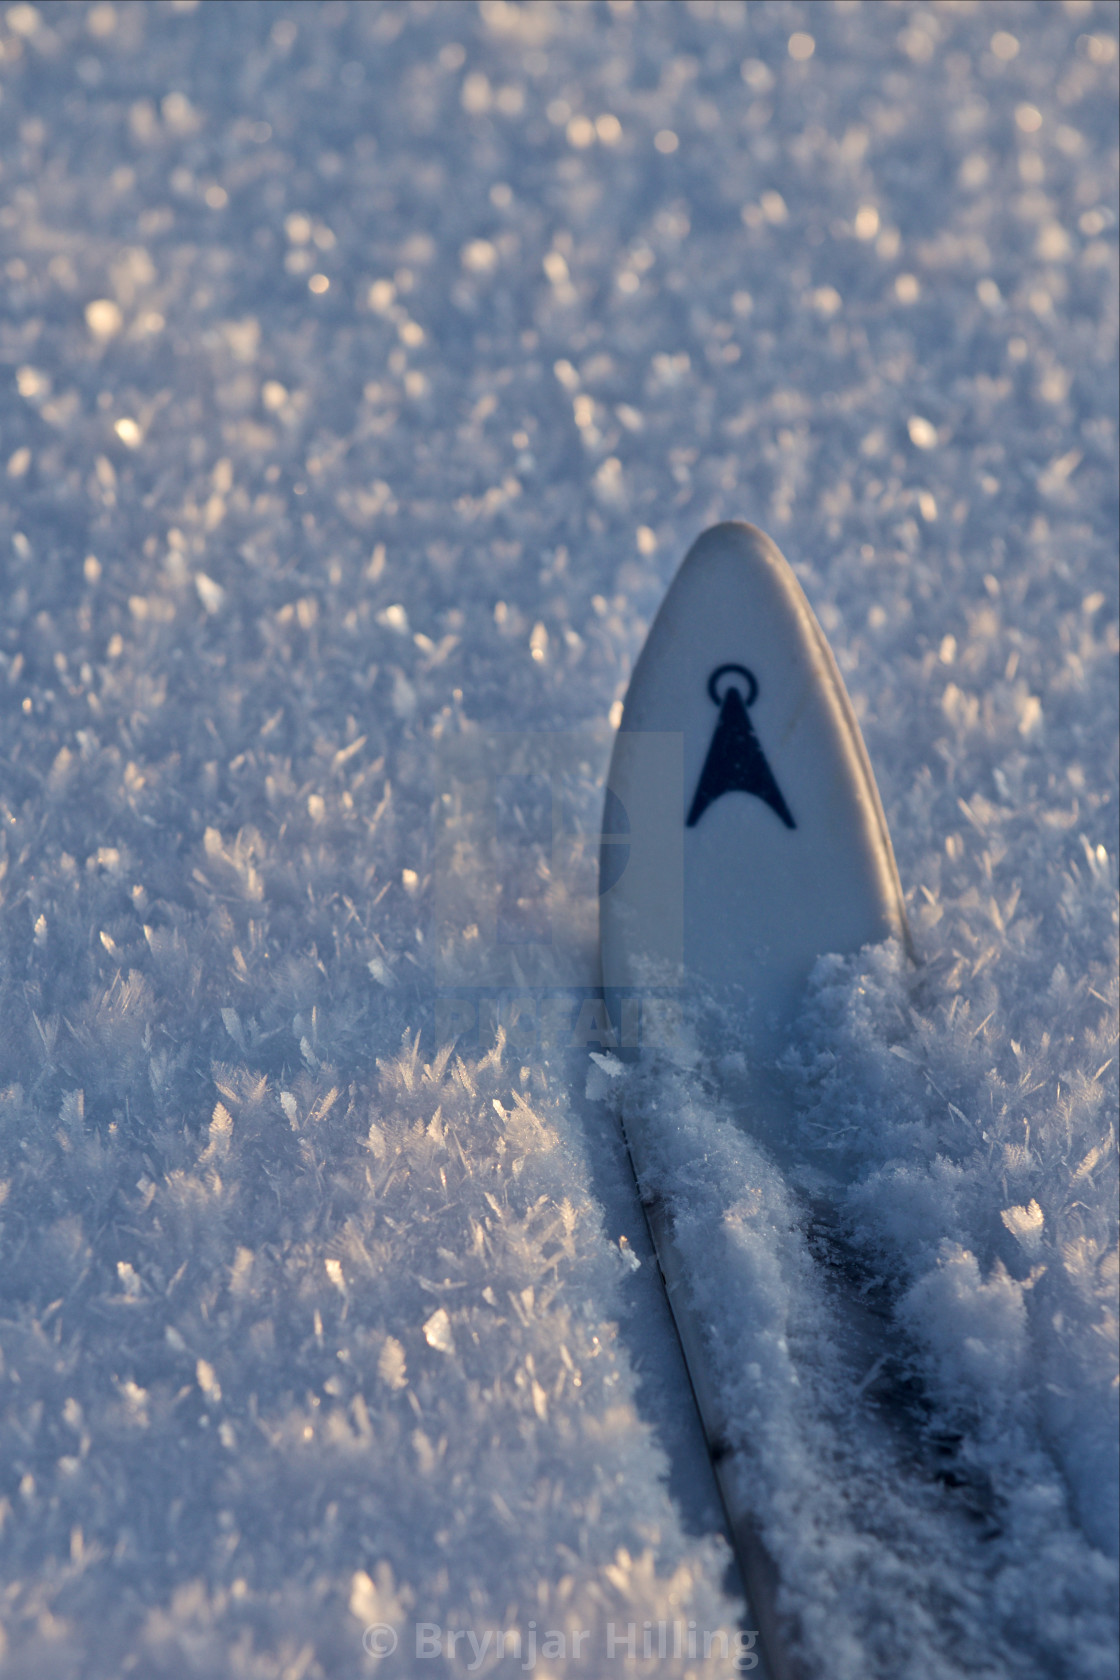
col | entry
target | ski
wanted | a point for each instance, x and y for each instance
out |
(743, 837)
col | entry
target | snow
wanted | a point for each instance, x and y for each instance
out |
(367, 371)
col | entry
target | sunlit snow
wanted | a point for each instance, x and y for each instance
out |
(367, 370)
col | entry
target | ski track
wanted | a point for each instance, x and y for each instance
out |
(367, 370)
(911, 1578)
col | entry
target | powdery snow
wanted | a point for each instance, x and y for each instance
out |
(368, 370)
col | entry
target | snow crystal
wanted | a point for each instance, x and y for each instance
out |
(369, 369)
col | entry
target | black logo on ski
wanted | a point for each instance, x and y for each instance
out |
(736, 761)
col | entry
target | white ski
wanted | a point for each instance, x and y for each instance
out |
(744, 837)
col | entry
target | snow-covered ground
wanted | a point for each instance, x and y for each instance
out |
(367, 370)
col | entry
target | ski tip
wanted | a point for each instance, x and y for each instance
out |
(736, 546)
(739, 534)
(743, 831)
